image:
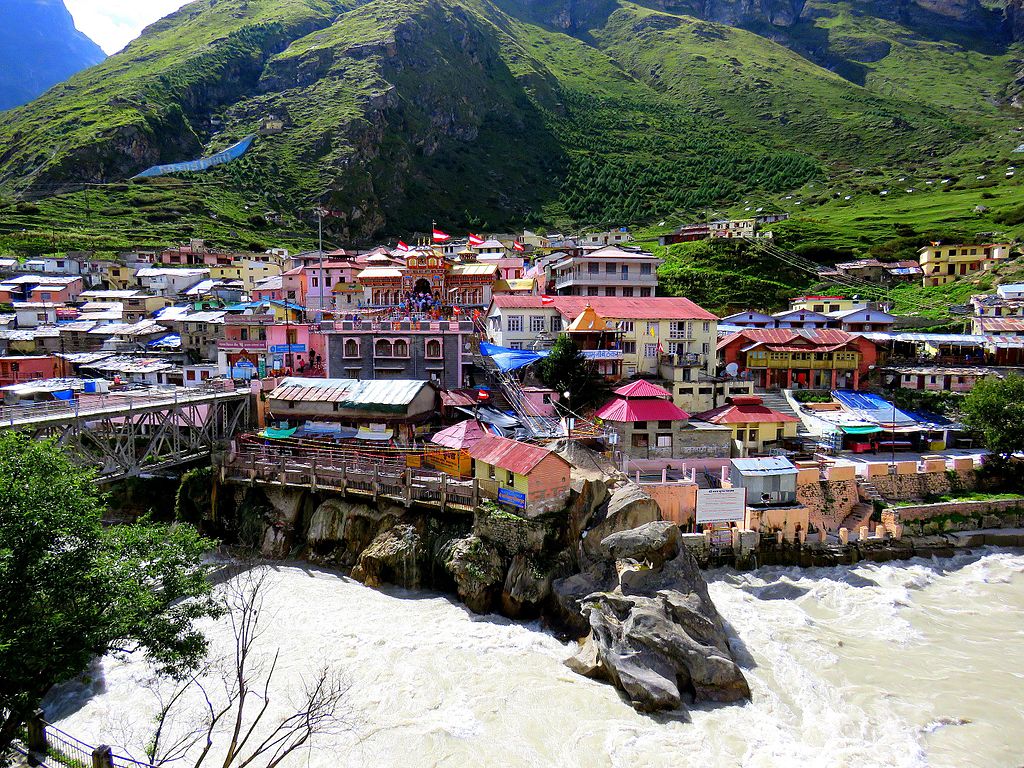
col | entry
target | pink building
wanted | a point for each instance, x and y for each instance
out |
(22, 368)
(57, 292)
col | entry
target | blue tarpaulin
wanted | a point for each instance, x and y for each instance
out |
(64, 394)
(508, 359)
(871, 407)
(233, 152)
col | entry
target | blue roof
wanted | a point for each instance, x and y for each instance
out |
(874, 408)
(770, 465)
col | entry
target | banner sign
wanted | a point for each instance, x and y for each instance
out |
(721, 505)
(512, 497)
(282, 348)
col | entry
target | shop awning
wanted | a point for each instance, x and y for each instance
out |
(368, 434)
(860, 430)
(277, 434)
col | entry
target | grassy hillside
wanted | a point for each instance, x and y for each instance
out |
(483, 114)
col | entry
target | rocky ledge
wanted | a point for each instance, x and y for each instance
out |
(654, 632)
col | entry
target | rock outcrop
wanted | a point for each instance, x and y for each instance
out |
(478, 570)
(655, 634)
(393, 556)
(629, 506)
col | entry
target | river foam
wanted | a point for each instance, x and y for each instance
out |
(897, 664)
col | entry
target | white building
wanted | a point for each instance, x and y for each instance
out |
(609, 271)
(169, 281)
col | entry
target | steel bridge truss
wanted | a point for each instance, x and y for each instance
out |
(144, 439)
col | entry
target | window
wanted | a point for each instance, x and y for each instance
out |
(490, 471)
(627, 291)
(592, 291)
(556, 324)
(515, 323)
(537, 324)
(680, 329)
(624, 272)
(629, 348)
(741, 434)
(382, 348)
(650, 350)
(645, 269)
(626, 326)
(707, 327)
(433, 348)
(640, 440)
(593, 268)
(665, 441)
(401, 348)
(640, 425)
(243, 334)
(645, 292)
(291, 335)
(609, 269)
(753, 435)
(652, 329)
(664, 424)
(262, 335)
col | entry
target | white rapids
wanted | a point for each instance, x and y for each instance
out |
(902, 664)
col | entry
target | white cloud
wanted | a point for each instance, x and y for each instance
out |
(114, 23)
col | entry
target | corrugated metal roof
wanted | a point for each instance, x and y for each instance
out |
(474, 269)
(461, 435)
(614, 307)
(510, 455)
(651, 409)
(745, 414)
(642, 388)
(771, 465)
(384, 395)
(370, 272)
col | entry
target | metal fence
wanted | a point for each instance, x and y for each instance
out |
(46, 745)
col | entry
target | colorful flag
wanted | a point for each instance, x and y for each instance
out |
(439, 236)
(475, 239)
(403, 247)
(546, 300)
(517, 246)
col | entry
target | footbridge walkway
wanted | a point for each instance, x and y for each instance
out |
(126, 434)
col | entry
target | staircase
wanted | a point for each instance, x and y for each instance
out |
(868, 490)
(777, 401)
(859, 515)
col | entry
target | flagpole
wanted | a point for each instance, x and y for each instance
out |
(320, 228)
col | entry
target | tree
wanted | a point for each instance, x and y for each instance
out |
(565, 369)
(995, 409)
(231, 697)
(71, 590)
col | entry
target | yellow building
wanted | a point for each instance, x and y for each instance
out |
(118, 277)
(756, 429)
(941, 264)
(247, 272)
(824, 303)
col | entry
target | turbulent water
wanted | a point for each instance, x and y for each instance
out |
(905, 664)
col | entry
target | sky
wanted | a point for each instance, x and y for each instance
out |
(114, 23)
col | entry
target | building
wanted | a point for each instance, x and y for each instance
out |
(998, 326)
(770, 488)
(246, 271)
(647, 329)
(200, 334)
(119, 277)
(608, 271)
(941, 264)
(528, 478)
(381, 411)
(437, 350)
(800, 358)
(755, 428)
(428, 273)
(861, 319)
(136, 305)
(726, 228)
(618, 236)
(823, 304)
(168, 281)
(261, 344)
(16, 369)
(55, 289)
(1010, 291)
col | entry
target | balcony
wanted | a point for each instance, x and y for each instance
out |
(602, 278)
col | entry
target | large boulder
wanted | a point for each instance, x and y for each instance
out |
(655, 634)
(629, 506)
(393, 556)
(478, 570)
(527, 585)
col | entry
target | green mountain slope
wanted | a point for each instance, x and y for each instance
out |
(485, 113)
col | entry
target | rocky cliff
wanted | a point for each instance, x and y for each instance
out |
(39, 47)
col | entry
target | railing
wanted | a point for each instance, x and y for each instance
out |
(50, 747)
(350, 473)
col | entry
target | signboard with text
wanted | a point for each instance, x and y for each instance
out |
(721, 505)
(282, 348)
(512, 497)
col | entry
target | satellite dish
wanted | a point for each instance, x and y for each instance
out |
(732, 369)
(766, 497)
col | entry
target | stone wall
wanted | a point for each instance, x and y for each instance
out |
(923, 484)
(962, 508)
(828, 502)
(507, 531)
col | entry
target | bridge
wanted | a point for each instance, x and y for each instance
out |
(126, 434)
(394, 475)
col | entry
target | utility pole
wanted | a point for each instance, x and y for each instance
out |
(320, 230)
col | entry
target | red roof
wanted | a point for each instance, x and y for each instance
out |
(614, 307)
(642, 388)
(461, 435)
(454, 398)
(641, 409)
(509, 454)
(778, 337)
(742, 414)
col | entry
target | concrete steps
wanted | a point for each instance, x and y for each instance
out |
(859, 515)
(777, 401)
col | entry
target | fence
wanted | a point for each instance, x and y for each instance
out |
(50, 747)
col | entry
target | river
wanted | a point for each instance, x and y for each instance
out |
(917, 663)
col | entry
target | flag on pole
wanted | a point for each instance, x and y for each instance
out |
(324, 213)
(546, 300)
(439, 236)
(517, 246)
(402, 247)
(475, 239)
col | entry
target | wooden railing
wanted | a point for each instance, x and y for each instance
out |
(382, 479)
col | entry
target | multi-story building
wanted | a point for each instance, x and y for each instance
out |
(609, 271)
(618, 236)
(248, 272)
(200, 333)
(430, 273)
(800, 358)
(168, 281)
(55, 289)
(136, 304)
(941, 264)
(436, 350)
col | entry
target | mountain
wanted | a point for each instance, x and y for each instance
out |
(39, 47)
(499, 113)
